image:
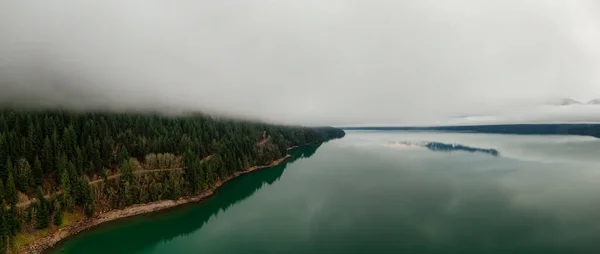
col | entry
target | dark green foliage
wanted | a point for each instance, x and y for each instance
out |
(123, 154)
(13, 221)
(4, 231)
(38, 173)
(57, 220)
(85, 198)
(24, 175)
(127, 171)
(62, 150)
(47, 156)
(2, 190)
(43, 213)
(11, 190)
(8, 167)
(88, 209)
(107, 150)
(65, 186)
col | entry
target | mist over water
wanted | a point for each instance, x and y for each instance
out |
(360, 195)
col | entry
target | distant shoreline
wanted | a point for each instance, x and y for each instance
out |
(48, 242)
(579, 129)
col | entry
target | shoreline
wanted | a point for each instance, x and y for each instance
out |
(45, 243)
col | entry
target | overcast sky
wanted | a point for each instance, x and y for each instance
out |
(310, 62)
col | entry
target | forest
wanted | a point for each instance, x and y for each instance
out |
(53, 162)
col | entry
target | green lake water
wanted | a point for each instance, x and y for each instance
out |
(366, 193)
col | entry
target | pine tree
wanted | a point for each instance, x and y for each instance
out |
(58, 220)
(23, 173)
(48, 159)
(75, 184)
(38, 172)
(127, 171)
(89, 209)
(56, 148)
(4, 232)
(79, 160)
(11, 190)
(43, 214)
(9, 167)
(65, 186)
(127, 195)
(13, 218)
(123, 154)
(67, 143)
(2, 190)
(3, 158)
(32, 140)
(87, 199)
(107, 150)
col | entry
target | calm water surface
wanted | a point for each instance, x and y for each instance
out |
(365, 194)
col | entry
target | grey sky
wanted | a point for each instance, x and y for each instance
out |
(301, 62)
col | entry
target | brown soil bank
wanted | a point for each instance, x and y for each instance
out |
(42, 244)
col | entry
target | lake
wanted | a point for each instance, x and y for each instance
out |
(382, 192)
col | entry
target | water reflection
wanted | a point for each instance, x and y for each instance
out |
(156, 228)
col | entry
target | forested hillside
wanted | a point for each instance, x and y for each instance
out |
(89, 162)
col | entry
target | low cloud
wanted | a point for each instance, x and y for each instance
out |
(301, 62)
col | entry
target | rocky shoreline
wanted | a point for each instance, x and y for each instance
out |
(47, 242)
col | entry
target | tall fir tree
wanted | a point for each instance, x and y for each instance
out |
(3, 157)
(43, 213)
(123, 154)
(24, 175)
(4, 231)
(13, 218)
(38, 172)
(11, 190)
(65, 186)
(2, 190)
(58, 219)
(127, 171)
(48, 159)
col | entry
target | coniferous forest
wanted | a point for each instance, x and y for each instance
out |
(54, 163)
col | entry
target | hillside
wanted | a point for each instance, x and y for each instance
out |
(55, 163)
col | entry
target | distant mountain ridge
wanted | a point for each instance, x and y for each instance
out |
(520, 129)
(594, 102)
(569, 101)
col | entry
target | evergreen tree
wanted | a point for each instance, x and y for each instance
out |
(43, 214)
(127, 195)
(79, 160)
(58, 220)
(4, 232)
(123, 154)
(24, 176)
(65, 186)
(89, 209)
(11, 190)
(48, 155)
(107, 150)
(75, 184)
(38, 172)
(9, 167)
(13, 218)
(127, 171)
(3, 158)
(2, 190)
